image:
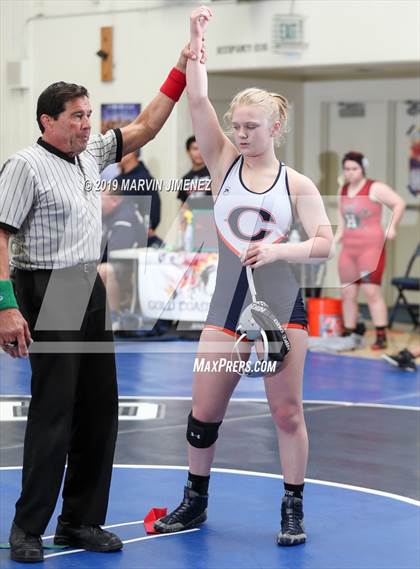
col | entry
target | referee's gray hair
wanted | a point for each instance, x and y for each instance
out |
(53, 99)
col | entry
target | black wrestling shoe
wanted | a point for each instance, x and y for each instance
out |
(403, 360)
(25, 547)
(380, 343)
(292, 528)
(192, 511)
(92, 537)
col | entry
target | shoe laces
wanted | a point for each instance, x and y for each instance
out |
(291, 521)
(95, 529)
(31, 538)
(98, 529)
(179, 512)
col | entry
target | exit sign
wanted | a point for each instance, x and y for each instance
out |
(287, 32)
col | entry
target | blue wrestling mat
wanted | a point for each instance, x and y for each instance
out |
(347, 528)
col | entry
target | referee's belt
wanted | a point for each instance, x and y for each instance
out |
(91, 267)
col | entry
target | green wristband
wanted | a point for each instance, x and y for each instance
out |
(7, 296)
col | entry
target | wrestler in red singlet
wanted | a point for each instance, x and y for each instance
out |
(362, 258)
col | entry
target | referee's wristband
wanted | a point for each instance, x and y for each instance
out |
(174, 84)
(7, 296)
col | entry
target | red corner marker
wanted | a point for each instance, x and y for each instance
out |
(152, 516)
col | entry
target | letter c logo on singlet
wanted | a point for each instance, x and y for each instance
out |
(257, 232)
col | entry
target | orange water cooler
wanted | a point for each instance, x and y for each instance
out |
(325, 317)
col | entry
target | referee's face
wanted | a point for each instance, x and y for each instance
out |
(70, 132)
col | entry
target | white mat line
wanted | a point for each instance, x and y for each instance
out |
(363, 489)
(106, 527)
(125, 542)
(399, 397)
(263, 399)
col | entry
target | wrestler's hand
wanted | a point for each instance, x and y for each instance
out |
(15, 336)
(259, 254)
(199, 20)
(187, 53)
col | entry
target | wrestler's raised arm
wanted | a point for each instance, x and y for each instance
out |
(217, 150)
(150, 121)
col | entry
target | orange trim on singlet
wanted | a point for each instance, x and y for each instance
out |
(225, 330)
(283, 238)
(228, 245)
(296, 326)
(291, 325)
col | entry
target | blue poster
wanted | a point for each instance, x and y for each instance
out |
(116, 115)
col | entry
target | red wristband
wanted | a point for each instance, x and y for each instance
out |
(174, 84)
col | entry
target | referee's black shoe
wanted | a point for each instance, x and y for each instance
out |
(25, 547)
(292, 528)
(90, 537)
(191, 512)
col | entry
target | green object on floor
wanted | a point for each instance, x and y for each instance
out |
(58, 547)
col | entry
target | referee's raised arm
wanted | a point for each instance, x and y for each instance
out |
(14, 330)
(51, 228)
(149, 122)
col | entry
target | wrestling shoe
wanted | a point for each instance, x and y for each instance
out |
(192, 511)
(292, 528)
(380, 343)
(403, 360)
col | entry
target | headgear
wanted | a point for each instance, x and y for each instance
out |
(257, 321)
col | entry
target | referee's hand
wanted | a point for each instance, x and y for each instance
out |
(15, 336)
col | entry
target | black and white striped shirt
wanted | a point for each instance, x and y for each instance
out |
(51, 203)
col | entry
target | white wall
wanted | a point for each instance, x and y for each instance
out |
(62, 44)
(386, 158)
(60, 39)
(16, 109)
(336, 32)
(384, 91)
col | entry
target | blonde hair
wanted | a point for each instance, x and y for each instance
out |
(276, 105)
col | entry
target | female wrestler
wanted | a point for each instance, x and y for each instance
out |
(362, 258)
(253, 214)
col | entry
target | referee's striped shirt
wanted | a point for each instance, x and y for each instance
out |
(51, 203)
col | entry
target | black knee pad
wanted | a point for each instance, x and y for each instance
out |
(201, 435)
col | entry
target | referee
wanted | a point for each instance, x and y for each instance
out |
(50, 220)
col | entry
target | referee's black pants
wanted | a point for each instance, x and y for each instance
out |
(73, 414)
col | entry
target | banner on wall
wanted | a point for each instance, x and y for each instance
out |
(413, 134)
(116, 115)
(176, 286)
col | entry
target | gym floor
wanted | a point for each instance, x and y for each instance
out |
(362, 487)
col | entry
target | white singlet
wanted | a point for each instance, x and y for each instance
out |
(242, 215)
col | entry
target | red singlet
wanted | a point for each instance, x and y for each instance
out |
(362, 257)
